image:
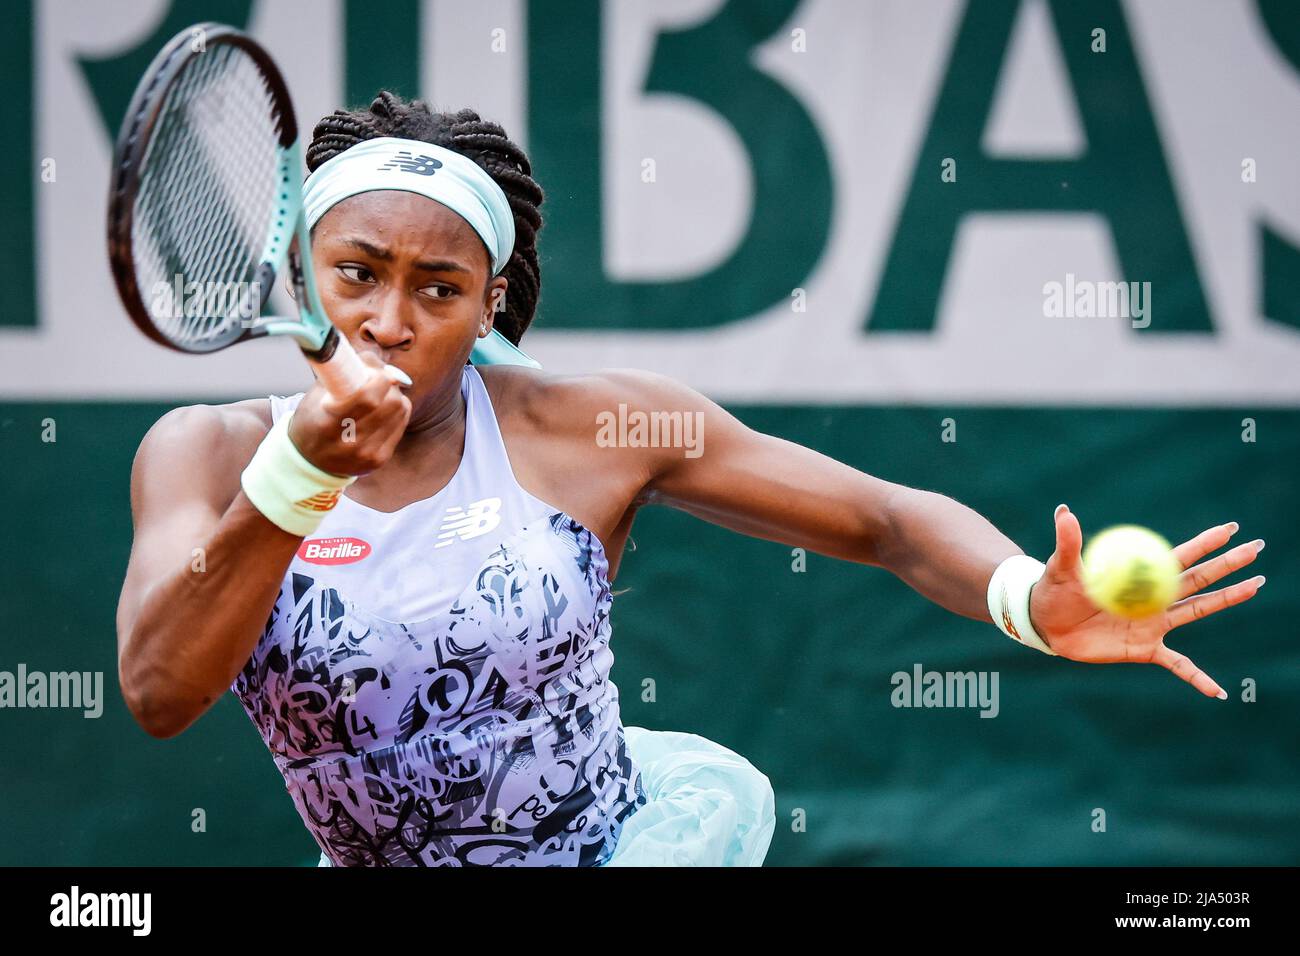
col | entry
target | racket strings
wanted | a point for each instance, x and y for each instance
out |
(228, 230)
(207, 198)
(232, 231)
(233, 219)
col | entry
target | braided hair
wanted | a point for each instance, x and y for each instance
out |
(484, 142)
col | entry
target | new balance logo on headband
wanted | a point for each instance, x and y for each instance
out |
(421, 165)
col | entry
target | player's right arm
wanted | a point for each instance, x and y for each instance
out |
(206, 565)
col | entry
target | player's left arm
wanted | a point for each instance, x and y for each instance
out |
(771, 488)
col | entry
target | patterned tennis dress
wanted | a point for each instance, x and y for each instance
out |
(433, 683)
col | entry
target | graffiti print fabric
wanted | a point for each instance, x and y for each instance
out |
(435, 689)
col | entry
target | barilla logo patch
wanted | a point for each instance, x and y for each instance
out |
(333, 550)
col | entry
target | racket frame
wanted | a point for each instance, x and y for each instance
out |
(314, 333)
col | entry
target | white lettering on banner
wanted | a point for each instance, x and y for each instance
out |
(991, 343)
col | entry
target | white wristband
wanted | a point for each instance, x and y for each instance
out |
(289, 490)
(1008, 599)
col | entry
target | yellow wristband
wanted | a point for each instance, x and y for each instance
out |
(289, 490)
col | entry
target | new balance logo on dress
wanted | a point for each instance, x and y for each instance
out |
(461, 524)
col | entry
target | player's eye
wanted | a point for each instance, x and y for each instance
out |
(438, 291)
(356, 273)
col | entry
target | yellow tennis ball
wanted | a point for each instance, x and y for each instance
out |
(1130, 571)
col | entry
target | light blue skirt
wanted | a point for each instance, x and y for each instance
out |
(706, 805)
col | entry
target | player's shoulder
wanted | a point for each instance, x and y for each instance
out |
(548, 399)
(212, 432)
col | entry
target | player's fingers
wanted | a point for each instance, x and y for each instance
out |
(1203, 605)
(1181, 665)
(1069, 540)
(395, 374)
(379, 383)
(395, 426)
(1207, 572)
(1211, 539)
(375, 398)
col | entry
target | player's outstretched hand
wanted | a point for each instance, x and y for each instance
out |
(1074, 627)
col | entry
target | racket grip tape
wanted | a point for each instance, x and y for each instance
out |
(341, 370)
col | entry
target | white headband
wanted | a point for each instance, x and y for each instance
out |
(409, 165)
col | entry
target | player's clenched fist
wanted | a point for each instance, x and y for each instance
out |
(357, 434)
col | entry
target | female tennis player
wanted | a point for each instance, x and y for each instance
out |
(409, 589)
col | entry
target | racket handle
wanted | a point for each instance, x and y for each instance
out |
(343, 374)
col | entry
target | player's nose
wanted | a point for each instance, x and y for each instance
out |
(387, 328)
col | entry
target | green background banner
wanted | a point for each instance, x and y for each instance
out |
(791, 669)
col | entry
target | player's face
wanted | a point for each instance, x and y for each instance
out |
(406, 278)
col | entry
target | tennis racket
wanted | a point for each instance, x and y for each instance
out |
(206, 205)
